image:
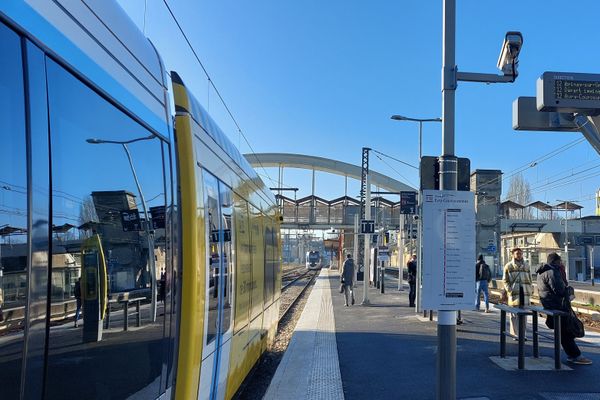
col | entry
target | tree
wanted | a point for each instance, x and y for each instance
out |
(87, 211)
(519, 191)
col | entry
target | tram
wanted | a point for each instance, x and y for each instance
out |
(139, 251)
(313, 259)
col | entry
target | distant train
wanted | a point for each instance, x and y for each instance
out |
(313, 259)
(144, 220)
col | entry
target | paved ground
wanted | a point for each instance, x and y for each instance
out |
(386, 352)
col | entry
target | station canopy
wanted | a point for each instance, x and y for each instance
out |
(540, 205)
(568, 205)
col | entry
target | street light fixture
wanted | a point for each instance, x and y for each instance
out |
(420, 121)
(124, 143)
(419, 264)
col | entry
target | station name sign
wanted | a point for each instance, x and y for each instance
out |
(569, 92)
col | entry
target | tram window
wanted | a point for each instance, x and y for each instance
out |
(211, 203)
(226, 200)
(268, 262)
(102, 240)
(243, 277)
(258, 262)
(13, 213)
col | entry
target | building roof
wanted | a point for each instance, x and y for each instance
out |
(511, 204)
(568, 205)
(540, 205)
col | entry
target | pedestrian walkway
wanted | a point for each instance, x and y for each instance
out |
(385, 352)
(309, 368)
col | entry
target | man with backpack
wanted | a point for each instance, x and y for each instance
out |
(483, 277)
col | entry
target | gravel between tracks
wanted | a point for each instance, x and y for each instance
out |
(256, 384)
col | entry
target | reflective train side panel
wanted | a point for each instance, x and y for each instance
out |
(136, 263)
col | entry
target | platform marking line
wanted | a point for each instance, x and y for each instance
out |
(325, 379)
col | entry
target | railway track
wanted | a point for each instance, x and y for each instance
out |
(294, 291)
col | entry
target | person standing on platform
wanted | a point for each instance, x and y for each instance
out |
(78, 300)
(411, 265)
(517, 283)
(483, 276)
(554, 295)
(347, 280)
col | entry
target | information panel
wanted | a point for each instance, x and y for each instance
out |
(448, 250)
(569, 92)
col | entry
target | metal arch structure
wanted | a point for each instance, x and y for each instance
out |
(301, 161)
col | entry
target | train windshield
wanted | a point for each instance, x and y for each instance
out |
(314, 256)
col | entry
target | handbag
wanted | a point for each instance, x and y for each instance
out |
(574, 325)
(503, 296)
(342, 286)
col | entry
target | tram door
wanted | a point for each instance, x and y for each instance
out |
(218, 204)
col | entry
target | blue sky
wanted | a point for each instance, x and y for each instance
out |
(323, 78)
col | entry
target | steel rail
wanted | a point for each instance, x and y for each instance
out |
(293, 303)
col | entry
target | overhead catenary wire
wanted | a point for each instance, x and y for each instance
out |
(395, 159)
(396, 171)
(534, 162)
(211, 82)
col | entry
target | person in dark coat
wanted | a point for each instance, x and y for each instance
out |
(483, 276)
(411, 266)
(78, 300)
(554, 295)
(347, 279)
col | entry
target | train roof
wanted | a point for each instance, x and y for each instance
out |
(98, 41)
(208, 125)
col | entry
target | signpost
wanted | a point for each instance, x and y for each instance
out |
(569, 92)
(408, 202)
(367, 226)
(130, 220)
(448, 244)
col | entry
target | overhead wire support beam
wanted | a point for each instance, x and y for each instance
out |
(364, 239)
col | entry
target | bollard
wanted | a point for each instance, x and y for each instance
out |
(502, 333)
(125, 315)
(139, 314)
(536, 346)
(521, 358)
(382, 277)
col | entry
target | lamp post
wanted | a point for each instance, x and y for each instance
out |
(419, 257)
(151, 264)
(566, 204)
(507, 63)
(420, 121)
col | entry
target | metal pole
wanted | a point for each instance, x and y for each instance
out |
(401, 253)
(418, 288)
(592, 264)
(367, 255)
(355, 249)
(567, 241)
(148, 234)
(420, 141)
(446, 355)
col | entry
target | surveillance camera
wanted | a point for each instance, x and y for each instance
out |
(509, 54)
(416, 217)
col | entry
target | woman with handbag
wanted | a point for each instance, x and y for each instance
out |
(555, 295)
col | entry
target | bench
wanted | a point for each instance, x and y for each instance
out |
(556, 315)
(522, 313)
(125, 301)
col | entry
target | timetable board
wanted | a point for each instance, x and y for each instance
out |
(448, 250)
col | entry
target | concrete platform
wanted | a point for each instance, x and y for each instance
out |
(309, 368)
(386, 351)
